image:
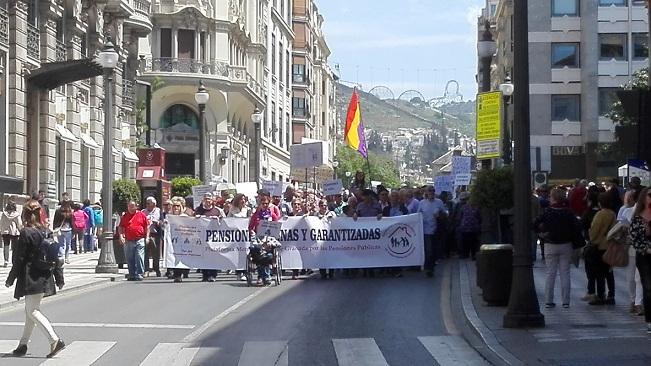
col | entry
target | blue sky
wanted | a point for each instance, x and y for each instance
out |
(406, 44)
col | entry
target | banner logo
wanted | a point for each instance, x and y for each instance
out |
(401, 243)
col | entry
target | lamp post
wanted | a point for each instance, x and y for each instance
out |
(485, 50)
(108, 59)
(523, 310)
(202, 97)
(507, 91)
(335, 164)
(256, 118)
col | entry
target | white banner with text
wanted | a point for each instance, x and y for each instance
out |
(307, 242)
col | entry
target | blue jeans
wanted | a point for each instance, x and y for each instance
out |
(264, 272)
(65, 239)
(89, 246)
(134, 250)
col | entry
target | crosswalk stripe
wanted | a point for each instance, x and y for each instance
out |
(264, 354)
(170, 354)
(80, 353)
(358, 352)
(451, 351)
(6, 346)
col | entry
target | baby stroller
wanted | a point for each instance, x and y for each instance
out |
(264, 259)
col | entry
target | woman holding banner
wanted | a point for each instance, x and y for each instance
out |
(239, 209)
(178, 209)
(324, 213)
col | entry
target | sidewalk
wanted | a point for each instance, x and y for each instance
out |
(580, 335)
(79, 274)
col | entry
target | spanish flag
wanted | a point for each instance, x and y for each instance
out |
(354, 131)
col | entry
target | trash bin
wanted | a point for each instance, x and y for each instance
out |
(494, 272)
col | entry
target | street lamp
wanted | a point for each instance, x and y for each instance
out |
(335, 164)
(485, 50)
(507, 90)
(202, 97)
(256, 118)
(108, 59)
(524, 309)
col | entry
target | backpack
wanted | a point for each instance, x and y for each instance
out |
(79, 219)
(46, 255)
(99, 220)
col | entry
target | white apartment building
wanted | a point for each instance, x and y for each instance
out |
(580, 52)
(52, 94)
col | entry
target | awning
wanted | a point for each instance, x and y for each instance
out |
(54, 74)
(65, 133)
(115, 151)
(130, 155)
(149, 172)
(88, 141)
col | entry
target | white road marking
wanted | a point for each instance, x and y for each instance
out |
(358, 352)
(108, 325)
(6, 346)
(170, 354)
(264, 354)
(197, 332)
(80, 353)
(452, 351)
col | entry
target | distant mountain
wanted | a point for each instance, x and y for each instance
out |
(389, 115)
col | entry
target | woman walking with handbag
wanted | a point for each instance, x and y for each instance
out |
(641, 241)
(601, 224)
(32, 280)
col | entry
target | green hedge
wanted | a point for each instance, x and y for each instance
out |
(182, 186)
(493, 189)
(124, 190)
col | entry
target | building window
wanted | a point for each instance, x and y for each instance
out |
(607, 97)
(566, 107)
(281, 63)
(85, 168)
(287, 133)
(273, 55)
(287, 67)
(273, 176)
(298, 107)
(298, 73)
(612, 46)
(273, 122)
(565, 7)
(61, 167)
(281, 123)
(166, 43)
(565, 54)
(640, 46)
(612, 2)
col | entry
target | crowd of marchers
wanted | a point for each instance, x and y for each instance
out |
(605, 226)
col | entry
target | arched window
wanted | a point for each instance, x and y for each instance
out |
(179, 113)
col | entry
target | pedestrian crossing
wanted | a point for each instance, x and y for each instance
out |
(445, 350)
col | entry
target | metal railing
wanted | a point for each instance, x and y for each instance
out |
(142, 6)
(127, 94)
(169, 64)
(4, 26)
(33, 43)
(60, 51)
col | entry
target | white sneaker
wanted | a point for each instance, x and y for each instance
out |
(243, 277)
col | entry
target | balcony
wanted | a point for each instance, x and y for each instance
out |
(33, 43)
(4, 27)
(182, 65)
(140, 22)
(60, 51)
(300, 79)
(127, 94)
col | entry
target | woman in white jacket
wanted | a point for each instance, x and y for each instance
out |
(10, 225)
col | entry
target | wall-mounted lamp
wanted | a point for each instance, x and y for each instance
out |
(223, 156)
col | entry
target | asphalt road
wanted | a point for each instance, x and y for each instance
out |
(362, 321)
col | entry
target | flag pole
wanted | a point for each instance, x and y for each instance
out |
(368, 162)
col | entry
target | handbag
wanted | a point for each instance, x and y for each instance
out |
(616, 255)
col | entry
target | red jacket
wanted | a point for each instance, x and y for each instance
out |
(135, 225)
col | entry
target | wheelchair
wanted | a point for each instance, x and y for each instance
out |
(265, 252)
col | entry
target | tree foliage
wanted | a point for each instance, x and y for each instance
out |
(124, 190)
(182, 186)
(493, 189)
(383, 169)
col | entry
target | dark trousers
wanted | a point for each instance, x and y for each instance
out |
(469, 244)
(8, 243)
(208, 273)
(430, 252)
(153, 250)
(602, 272)
(643, 264)
(178, 272)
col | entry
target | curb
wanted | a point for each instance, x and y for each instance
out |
(105, 282)
(478, 326)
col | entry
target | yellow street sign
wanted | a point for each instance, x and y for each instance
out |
(489, 111)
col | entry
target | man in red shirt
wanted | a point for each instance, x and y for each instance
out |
(578, 198)
(133, 231)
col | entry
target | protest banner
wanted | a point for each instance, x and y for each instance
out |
(444, 183)
(462, 179)
(307, 242)
(249, 189)
(332, 187)
(461, 165)
(275, 188)
(199, 191)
